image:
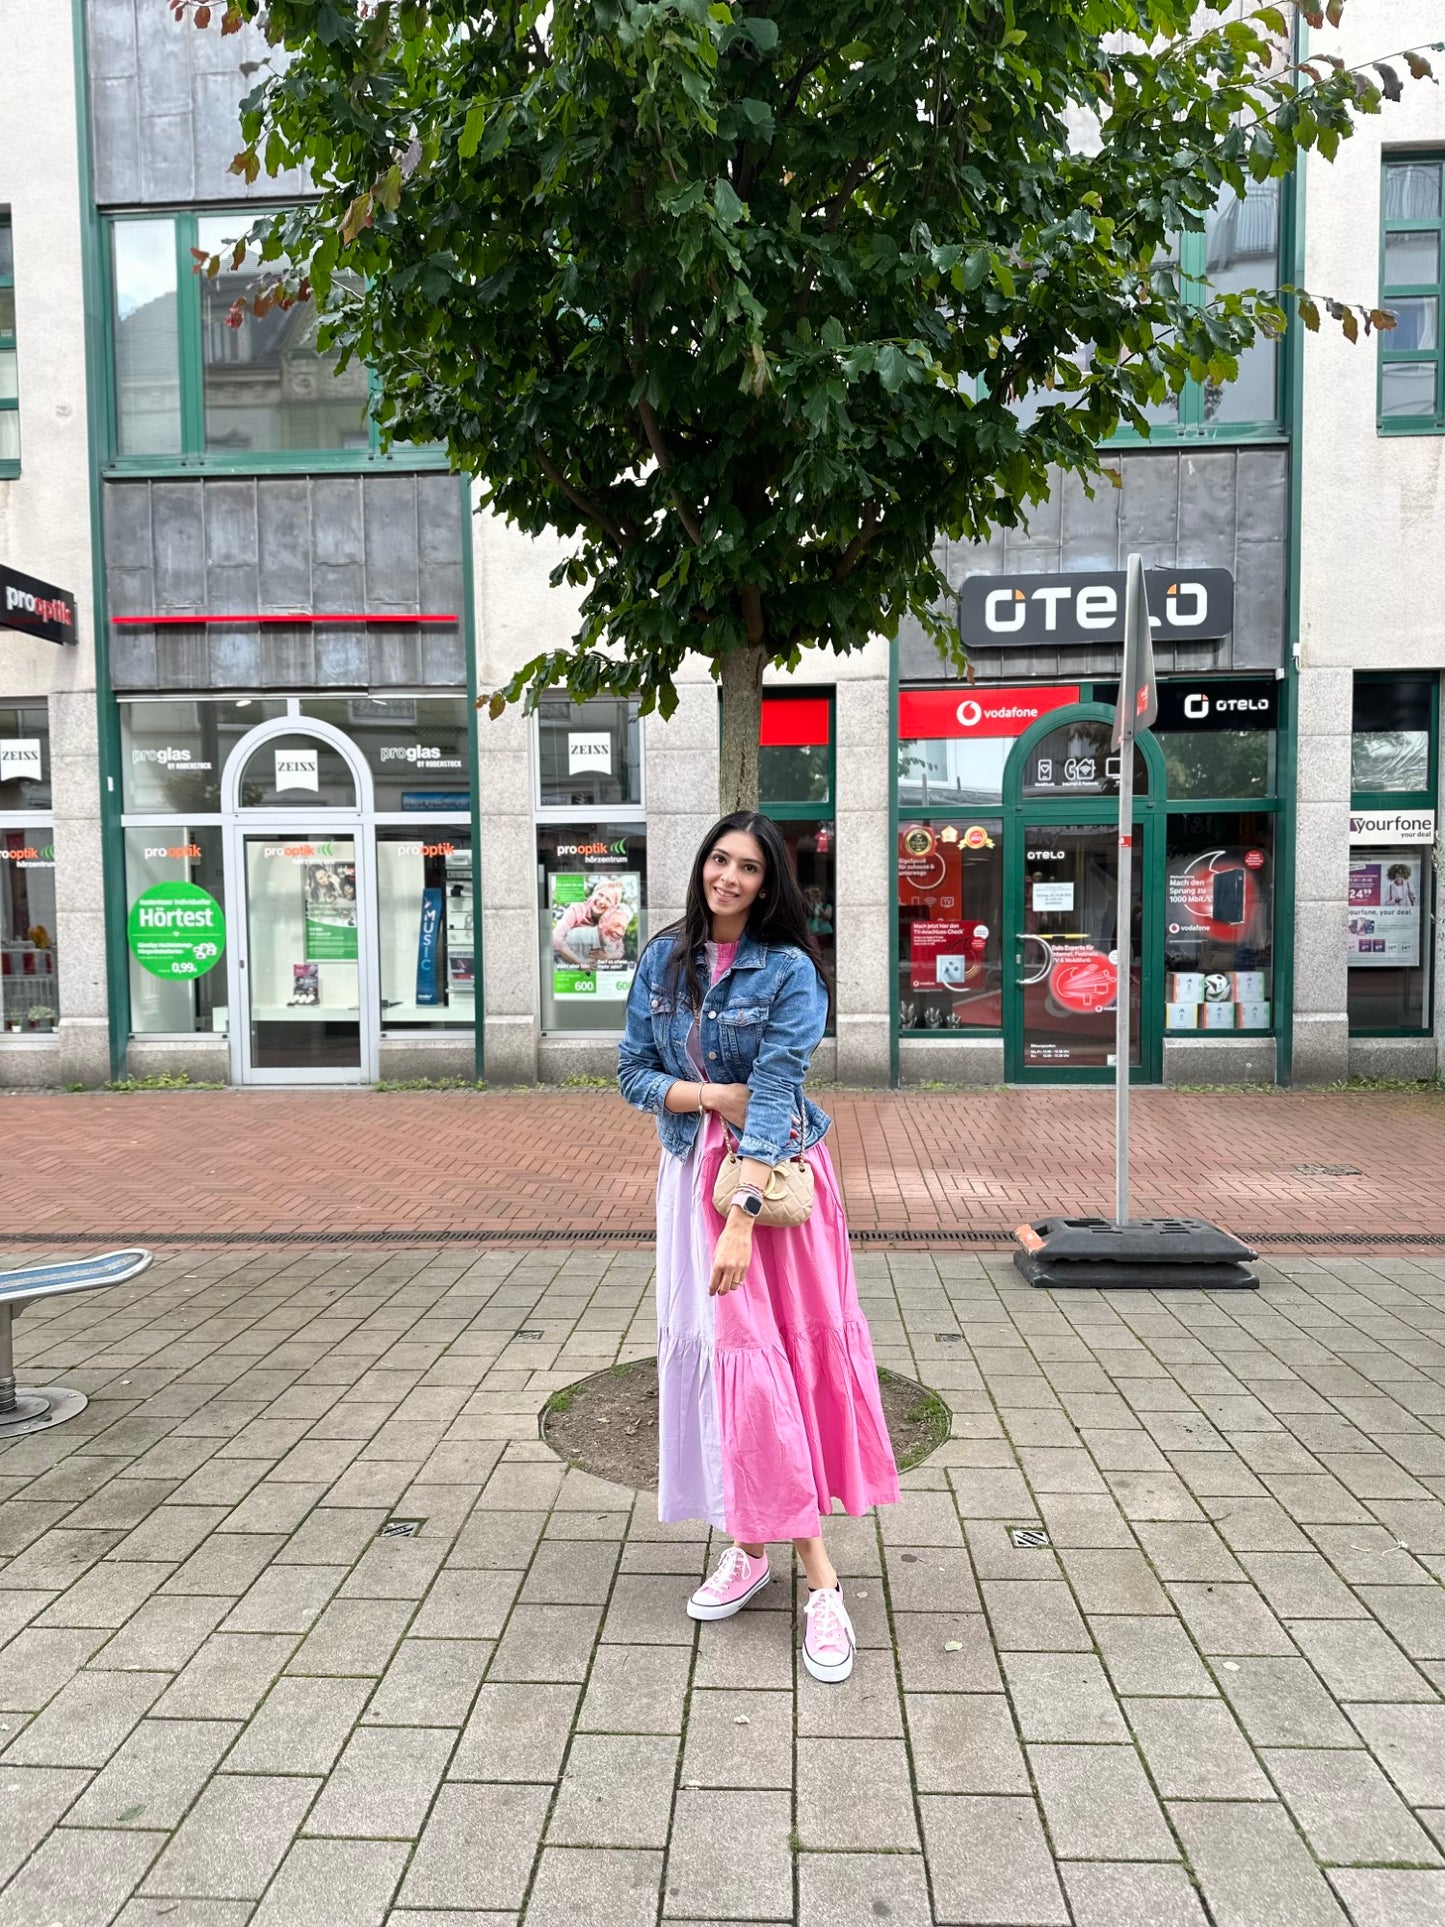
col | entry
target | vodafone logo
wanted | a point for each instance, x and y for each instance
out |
(970, 714)
(931, 714)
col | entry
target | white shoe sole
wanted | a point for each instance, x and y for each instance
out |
(830, 1675)
(707, 1612)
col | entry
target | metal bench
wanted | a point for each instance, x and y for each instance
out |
(29, 1409)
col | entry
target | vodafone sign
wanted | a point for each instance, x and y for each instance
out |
(927, 714)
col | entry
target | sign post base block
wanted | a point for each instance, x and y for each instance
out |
(1148, 1254)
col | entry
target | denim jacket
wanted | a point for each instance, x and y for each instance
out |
(760, 1025)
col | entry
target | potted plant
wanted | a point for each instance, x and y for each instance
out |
(42, 1017)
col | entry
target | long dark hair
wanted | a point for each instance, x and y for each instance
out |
(778, 916)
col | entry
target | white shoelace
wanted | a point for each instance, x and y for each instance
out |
(833, 1625)
(733, 1565)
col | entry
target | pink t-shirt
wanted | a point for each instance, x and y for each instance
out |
(720, 958)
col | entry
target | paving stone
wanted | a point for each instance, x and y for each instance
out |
(228, 1676)
(382, 1785)
(1413, 1615)
(38, 1663)
(35, 1798)
(1153, 1656)
(467, 1605)
(838, 1887)
(477, 1848)
(1409, 1742)
(106, 1596)
(616, 1791)
(571, 1573)
(740, 1739)
(921, 1519)
(1230, 1619)
(1120, 1895)
(1035, 1615)
(1252, 1865)
(234, 1837)
(1063, 1696)
(1084, 1521)
(87, 1720)
(729, 1858)
(1347, 1809)
(648, 1610)
(1098, 1804)
(751, 1649)
(78, 1877)
(962, 1744)
(995, 1493)
(156, 1774)
(636, 1689)
(185, 1913)
(932, 1579)
(333, 1883)
(1114, 1582)
(924, 1642)
(990, 1862)
(546, 1643)
(353, 1636)
(604, 1887)
(1299, 1585)
(1280, 1702)
(162, 1635)
(503, 1541)
(332, 1535)
(301, 1728)
(1196, 1751)
(516, 1733)
(1392, 1897)
(864, 1706)
(285, 1599)
(171, 1532)
(57, 1560)
(397, 1568)
(1188, 1553)
(1357, 1660)
(430, 1682)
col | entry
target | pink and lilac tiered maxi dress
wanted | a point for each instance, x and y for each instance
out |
(769, 1394)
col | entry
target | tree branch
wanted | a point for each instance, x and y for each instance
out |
(853, 554)
(620, 537)
(652, 428)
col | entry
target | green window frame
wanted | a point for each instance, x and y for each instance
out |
(1396, 289)
(9, 402)
(194, 456)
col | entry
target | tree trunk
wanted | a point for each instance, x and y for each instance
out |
(740, 674)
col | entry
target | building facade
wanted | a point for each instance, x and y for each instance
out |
(254, 830)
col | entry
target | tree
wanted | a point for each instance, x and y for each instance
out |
(738, 296)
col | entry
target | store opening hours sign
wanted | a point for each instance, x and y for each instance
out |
(958, 713)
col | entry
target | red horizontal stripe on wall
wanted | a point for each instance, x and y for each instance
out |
(795, 722)
(156, 622)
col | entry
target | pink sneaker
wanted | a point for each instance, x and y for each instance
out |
(828, 1640)
(738, 1578)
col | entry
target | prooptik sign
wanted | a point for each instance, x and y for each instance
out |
(1081, 611)
(36, 608)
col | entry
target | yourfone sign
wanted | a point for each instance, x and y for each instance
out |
(36, 608)
(1086, 610)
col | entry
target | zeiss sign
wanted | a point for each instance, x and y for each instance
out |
(1087, 611)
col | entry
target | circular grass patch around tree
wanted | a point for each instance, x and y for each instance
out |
(607, 1424)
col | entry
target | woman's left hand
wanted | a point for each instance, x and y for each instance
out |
(732, 1255)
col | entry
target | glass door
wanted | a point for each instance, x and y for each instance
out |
(1064, 951)
(306, 1000)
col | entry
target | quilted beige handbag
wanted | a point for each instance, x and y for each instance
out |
(787, 1195)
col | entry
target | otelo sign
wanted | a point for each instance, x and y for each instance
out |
(176, 930)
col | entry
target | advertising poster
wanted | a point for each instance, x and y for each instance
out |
(941, 955)
(428, 937)
(176, 930)
(330, 892)
(1083, 982)
(1385, 921)
(1219, 913)
(595, 930)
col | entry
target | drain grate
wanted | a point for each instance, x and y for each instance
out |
(1000, 1237)
(401, 1528)
(1328, 1170)
(1028, 1538)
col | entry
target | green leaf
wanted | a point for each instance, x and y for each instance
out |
(473, 130)
(762, 32)
(724, 198)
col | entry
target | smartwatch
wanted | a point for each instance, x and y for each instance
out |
(749, 1201)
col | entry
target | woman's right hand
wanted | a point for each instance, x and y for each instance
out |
(729, 1101)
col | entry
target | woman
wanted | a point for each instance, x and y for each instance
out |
(585, 917)
(769, 1395)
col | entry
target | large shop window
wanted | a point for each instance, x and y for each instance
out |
(303, 913)
(9, 378)
(589, 755)
(1219, 924)
(795, 788)
(190, 387)
(1389, 937)
(1412, 288)
(29, 967)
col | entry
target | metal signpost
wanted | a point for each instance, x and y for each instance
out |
(1137, 708)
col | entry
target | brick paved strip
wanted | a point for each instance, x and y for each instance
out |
(336, 1162)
